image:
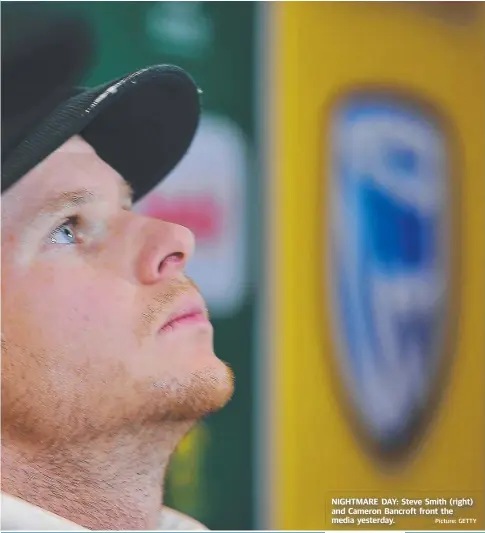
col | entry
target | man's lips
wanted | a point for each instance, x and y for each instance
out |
(186, 317)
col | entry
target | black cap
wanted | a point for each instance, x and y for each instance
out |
(141, 124)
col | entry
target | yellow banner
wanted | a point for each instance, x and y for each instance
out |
(376, 281)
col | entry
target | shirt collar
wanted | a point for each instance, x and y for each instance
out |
(18, 515)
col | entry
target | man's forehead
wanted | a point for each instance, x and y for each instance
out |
(75, 144)
(72, 166)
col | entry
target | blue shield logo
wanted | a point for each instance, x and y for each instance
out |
(390, 248)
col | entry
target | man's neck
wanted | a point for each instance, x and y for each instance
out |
(110, 483)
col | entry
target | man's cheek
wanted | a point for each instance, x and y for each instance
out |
(70, 305)
(103, 305)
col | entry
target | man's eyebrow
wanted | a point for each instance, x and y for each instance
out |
(65, 200)
(69, 199)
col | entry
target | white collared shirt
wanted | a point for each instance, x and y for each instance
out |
(19, 515)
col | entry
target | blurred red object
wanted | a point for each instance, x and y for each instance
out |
(202, 214)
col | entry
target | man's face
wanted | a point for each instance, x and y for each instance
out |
(87, 287)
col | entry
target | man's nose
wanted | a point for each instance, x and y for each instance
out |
(165, 251)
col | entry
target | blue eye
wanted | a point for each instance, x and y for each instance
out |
(65, 233)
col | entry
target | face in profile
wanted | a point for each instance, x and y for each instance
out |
(101, 330)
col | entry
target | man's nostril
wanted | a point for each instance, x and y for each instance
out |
(174, 259)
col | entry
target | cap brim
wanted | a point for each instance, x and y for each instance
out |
(141, 125)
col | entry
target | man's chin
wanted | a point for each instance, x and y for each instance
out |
(202, 392)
